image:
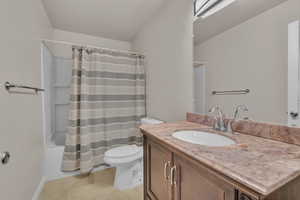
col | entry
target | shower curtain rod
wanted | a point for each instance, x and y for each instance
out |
(91, 46)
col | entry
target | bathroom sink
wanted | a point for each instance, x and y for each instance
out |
(203, 138)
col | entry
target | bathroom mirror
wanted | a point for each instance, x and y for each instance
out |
(251, 46)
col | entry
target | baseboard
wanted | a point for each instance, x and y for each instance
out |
(39, 189)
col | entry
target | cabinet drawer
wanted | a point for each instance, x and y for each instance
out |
(243, 196)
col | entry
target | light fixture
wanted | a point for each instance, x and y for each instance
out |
(205, 8)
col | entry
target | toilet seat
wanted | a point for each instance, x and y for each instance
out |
(123, 154)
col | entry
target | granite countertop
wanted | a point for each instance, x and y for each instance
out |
(263, 165)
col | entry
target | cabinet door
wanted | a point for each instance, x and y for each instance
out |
(193, 182)
(158, 161)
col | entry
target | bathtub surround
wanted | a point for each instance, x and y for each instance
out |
(106, 104)
(48, 60)
(57, 72)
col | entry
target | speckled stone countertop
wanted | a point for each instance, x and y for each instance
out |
(263, 165)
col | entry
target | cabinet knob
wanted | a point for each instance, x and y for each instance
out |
(294, 115)
(4, 156)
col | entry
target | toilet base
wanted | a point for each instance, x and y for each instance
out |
(129, 175)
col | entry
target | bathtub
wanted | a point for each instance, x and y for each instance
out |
(53, 161)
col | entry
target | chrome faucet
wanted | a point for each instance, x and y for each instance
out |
(236, 116)
(219, 124)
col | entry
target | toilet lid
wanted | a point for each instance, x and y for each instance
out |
(123, 151)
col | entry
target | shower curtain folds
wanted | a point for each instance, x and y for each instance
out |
(106, 104)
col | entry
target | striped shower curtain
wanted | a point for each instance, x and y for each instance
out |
(106, 104)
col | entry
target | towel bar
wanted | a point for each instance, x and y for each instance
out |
(9, 85)
(231, 92)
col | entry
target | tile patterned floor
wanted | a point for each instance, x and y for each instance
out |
(97, 186)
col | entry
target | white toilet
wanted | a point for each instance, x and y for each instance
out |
(128, 161)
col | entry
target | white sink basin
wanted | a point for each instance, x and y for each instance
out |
(203, 138)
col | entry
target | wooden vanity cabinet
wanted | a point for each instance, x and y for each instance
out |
(170, 176)
(157, 163)
(195, 183)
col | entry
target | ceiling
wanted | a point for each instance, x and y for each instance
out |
(115, 19)
(236, 13)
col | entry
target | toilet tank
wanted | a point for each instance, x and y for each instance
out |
(145, 121)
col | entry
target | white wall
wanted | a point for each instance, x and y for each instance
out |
(90, 40)
(62, 50)
(199, 89)
(23, 23)
(166, 40)
(252, 55)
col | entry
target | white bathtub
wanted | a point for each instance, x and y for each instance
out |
(52, 164)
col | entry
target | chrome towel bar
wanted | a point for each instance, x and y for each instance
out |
(231, 92)
(9, 85)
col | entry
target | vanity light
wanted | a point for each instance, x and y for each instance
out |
(206, 8)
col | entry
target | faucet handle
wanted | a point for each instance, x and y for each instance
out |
(216, 125)
(219, 118)
(229, 125)
(239, 108)
(214, 108)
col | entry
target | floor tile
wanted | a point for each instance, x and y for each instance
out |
(97, 186)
